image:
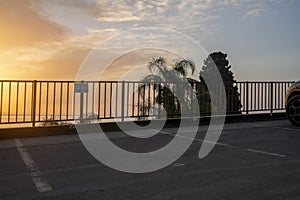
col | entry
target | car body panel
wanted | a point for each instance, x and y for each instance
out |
(293, 103)
(292, 91)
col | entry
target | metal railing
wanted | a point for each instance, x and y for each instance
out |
(60, 101)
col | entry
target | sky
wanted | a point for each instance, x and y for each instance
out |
(50, 39)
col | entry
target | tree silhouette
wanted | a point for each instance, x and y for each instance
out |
(160, 81)
(219, 60)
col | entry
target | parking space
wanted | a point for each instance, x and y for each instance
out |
(258, 160)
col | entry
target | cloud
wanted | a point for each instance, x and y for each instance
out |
(197, 18)
(21, 25)
(55, 60)
(254, 12)
(50, 38)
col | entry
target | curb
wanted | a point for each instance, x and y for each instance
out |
(112, 126)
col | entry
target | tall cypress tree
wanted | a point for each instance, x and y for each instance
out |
(219, 60)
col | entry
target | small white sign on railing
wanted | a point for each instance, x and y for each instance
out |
(81, 87)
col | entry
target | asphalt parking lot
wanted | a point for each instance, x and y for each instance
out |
(256, 160)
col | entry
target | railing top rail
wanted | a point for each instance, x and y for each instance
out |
(73, 81)
(69, 81)
(265, 81)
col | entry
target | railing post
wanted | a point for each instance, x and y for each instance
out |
(159, 101)
(33, 103)
(247, 97)
(81, 105)
(192, 99)
(271, 98)
(81, 88)
(123, 101)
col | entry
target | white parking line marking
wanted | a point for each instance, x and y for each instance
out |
(37, 177)
(229, 146)
(178, 165)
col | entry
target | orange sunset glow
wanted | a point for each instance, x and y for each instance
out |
(49, 40)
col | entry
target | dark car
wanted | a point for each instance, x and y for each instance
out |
(293, 103)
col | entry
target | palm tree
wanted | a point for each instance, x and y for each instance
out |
(183, 66)
(162, 82)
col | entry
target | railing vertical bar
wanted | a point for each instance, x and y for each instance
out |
(267, 106)
(165, 98)
(87, 103)
(40, 101)
(144, 98)
(54, 100)
(279, 96)
(271, 98)
(175, 86)
(74, 101)
(81, 100)
(233, 107)
(110, 100)
(9, 101)
(93, 100)
(284, 93)
(47, 99)
(261, 95)
(154, 92)
(128, 93)
(133, 98)
(276, 94)
(117, 91)
(258, 96)
(1, 101)
(174, 103)
(99, 100)
(25, 95)
(61, 100)
(238, 90)
(33, 105)
(282, 96)
(274, 99)
(247, 97)
(251, 102)
(255, 97)
(159, 100)
(122, 100)
(67, 101)
(243, 85)
(17, 102)
(149, 96)
(138, 100)
(266, 92)
(242, 98)
(192, 99)
(105, 90)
